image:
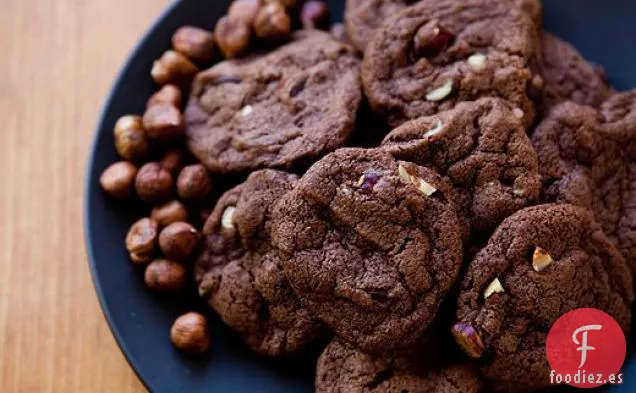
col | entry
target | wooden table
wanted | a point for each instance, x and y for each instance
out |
(58, 61)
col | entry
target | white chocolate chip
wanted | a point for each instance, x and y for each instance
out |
(247, 110)
(477, 62)
(541, 259)
(438, 128)
(404, 175)
(424, 187)
(519, 114)
(518, 192)
(441, 92)
(493, 287)
(226, 219)
(360, 181)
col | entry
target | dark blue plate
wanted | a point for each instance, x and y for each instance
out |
(603, 31)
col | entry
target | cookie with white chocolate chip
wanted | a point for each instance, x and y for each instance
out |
(282, 109)
(483, 149)
(239, 274)
(370, 245)
(539, 264)
(586, 159)
(436, 53)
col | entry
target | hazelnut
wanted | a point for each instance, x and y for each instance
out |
(195, 43)
(172, 160)
(494, 287)
(227, 219)
(431, 39)
(173, 68)
(190, 333)
(441, 92)
(140, 258)
(194, 183)
(130, 139)
(244, 10)
(314, 14)
(178, 240)
(165, 276)
(164, 122)
(468, 339)
(154, 184)
(118, 179)
(541, 259)
(289, 4)
(168, 94)
(168, 213)
(272, 22)
(142, 239)
(232, 36)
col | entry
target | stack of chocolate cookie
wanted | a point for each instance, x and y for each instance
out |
(500, 197)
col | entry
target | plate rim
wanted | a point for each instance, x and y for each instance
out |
(88, 184)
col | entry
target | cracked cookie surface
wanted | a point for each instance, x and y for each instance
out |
(370, 245)
(482, 148)
(586, 159)
(344, 369)
(287, 107)
(239, 274)
(436, 53)
(364, 17)
(568, 76)
(541, 262)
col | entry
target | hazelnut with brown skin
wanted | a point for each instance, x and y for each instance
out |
(141, 240)
(272, 22)
(173, 68)
(163, 275)
(173, 160)
(232, 36)
(314, 14)
(168, 94)
(164, 122)
(154, 184)
(195, 43)
(289, 4)
(118, 179)
(131, 142)
(190, 333)
(194, 183)
(244, 10)
(178, 241)
(168, 213)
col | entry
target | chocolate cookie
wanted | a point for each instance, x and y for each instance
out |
(541, 262)
(344, 369)
(586, 159)
(239, 274)
(370, 245)
(289, 106)
(436, 53)
(484, 151)
(568, 76)
(364, 17)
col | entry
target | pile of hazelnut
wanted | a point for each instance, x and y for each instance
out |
(155, 166)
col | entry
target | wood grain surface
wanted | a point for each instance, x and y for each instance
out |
(59, 59)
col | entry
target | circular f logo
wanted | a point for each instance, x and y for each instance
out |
(586, 348)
